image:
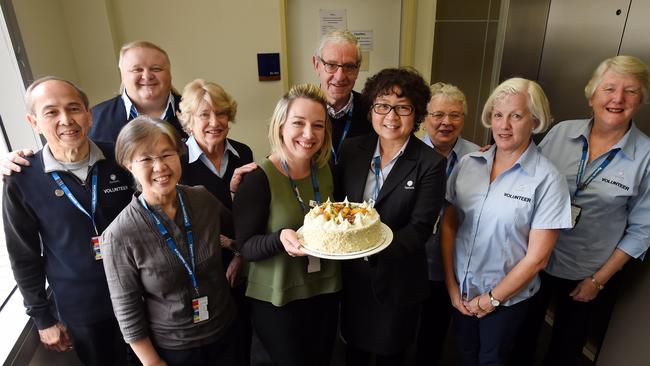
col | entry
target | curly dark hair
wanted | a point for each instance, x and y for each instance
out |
(407, 81)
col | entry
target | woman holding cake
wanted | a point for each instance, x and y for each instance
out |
(507, 205)
(382, 294)
(294, 298)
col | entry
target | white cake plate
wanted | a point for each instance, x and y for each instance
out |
(386, 239)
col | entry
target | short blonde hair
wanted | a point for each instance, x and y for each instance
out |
(449, 92)
(622, 64)
(140, 131)
(537, 101)
(338, 36)
(201, 90)
(141, 44)
(281, 112)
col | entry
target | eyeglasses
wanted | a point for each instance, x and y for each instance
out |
(333, 68)
(453, 116)
(205, 116)
(148, 161)
(400, 109)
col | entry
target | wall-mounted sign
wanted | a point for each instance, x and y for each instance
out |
(268, 66)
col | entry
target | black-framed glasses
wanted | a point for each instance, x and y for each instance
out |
(453, 116)
(331, 68)
(400, 109)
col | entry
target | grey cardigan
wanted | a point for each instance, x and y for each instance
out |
(150, 289)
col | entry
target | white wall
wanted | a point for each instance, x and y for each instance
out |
(380, 16)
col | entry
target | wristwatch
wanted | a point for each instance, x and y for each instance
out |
(495, 302)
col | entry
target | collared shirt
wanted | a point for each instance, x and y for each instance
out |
(495, 218)
(615, 205)
(461, 148)
(50, 164)
(371, 181)
(195, 152)
(170, 110)
(338, 114)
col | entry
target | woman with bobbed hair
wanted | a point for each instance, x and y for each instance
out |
(506, 206)
(205, 112)
(294, 300)
(606, 162)
(163, 259)
(444, 122)
(382, 294)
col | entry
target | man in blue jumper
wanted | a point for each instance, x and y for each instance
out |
(54, 212)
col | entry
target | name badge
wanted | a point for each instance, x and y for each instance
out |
(313, 264)
(200, 308)
(96, 248)
(575, 214)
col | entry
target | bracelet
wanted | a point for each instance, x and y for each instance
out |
(598, 285)
(478, 303)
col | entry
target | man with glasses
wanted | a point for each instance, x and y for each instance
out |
(336, 62)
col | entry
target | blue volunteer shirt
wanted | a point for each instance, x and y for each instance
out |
(496, 218)
(615, 205)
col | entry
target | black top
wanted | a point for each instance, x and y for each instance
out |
(359, 126)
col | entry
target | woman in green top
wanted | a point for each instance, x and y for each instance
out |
(294, 301)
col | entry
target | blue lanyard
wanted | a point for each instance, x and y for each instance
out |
(170, 240)
(73, 199)
(452, 163)
(581, 167)
(296, 191)
(346, 129)
(377, 161)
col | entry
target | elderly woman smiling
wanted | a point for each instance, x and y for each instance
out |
(163, 260)
(506, 206)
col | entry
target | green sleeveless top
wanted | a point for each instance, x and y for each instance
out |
(281, 279)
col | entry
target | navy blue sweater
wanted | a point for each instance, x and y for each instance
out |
(32, 213)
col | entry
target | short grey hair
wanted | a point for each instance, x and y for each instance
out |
(537, 102)
(142, 130)
(338, 36)
(29, 93)
(449, 92)
(622, 64)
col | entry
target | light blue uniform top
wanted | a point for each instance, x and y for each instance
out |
(496, 218)
(615, 205)
(461, 148)
(194, 152)
(374, 182)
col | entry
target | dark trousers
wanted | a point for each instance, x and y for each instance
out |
(299, 333)
(573, 321)
(99, 343)
(358, 357)
(225, 351)
(489, 340)
(434, 323)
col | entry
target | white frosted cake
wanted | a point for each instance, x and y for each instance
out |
(342, 227)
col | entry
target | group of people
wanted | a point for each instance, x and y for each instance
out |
(156, 231)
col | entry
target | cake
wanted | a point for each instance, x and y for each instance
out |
(342, 227)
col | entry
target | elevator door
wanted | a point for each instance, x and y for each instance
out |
(579, 35)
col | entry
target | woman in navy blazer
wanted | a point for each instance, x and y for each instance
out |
(383, 293)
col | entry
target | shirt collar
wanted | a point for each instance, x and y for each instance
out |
(338, 114)
(50, 164)
(170, 105)
(194, 151)
(626, 143)
(399, 153)
(527, 161)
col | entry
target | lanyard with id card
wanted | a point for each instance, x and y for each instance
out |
(581, 186)
(313, 263)
(199, 303)
(95, 240)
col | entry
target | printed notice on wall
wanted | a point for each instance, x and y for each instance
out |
(364, 38)
(333, 19)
